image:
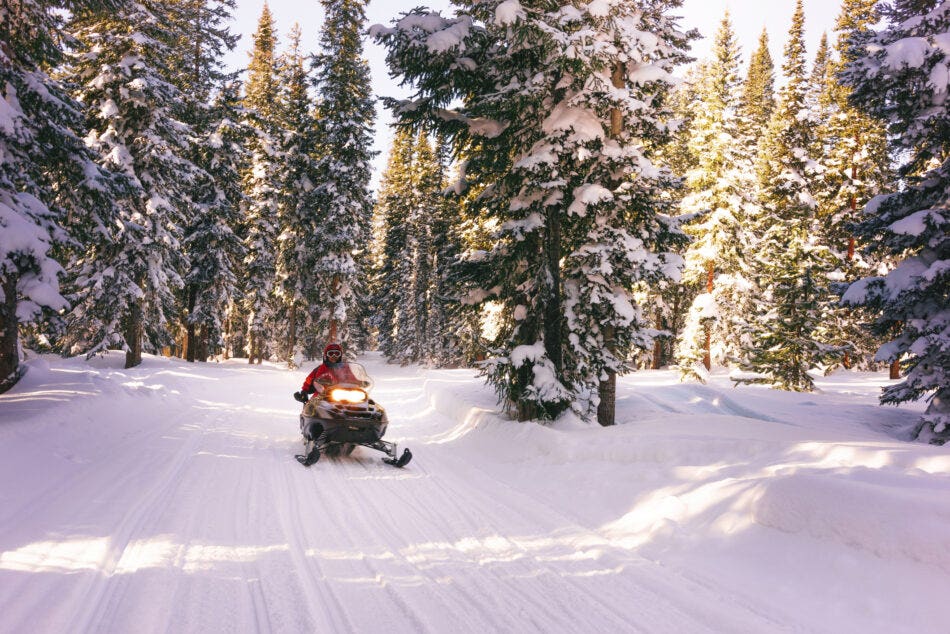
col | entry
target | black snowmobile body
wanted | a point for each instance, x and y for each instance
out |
(342, 416)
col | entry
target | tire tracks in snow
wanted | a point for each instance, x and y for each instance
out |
(473, 494)
(309, 571)
(103, 592)
(652, 590)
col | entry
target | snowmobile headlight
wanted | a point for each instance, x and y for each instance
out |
(347, 395)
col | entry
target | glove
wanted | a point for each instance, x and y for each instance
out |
(300, 396)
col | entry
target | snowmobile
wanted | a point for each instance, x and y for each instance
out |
(341, 417)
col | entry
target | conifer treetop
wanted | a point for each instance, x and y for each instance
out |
(261, 87)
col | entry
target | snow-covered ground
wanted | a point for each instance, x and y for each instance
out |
(166, 499)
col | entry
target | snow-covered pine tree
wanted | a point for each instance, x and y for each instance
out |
(791, 267)
(412, 199)
(342, 196)
(50, 187)
(856, 166)
(213, 248)
(128, 276)
(405, 333)
(670, 302)
(427, 181)
(900, 75)
(561, 107)
(213, 243)
(393, 208)
(758, 91)
(815, 100)
(261, 184)
(722, 185)
(300, 231)
(448, 320)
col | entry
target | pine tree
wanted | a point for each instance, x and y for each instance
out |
(791, 268)
(49, 185)
(427, 181)
(210, 242)
(722, 187)
(214, 246)
(128, 276)
(569, 184)
(411, 199)
(300, 231)
(670, 301)
(342, 196)
(821, 68)
(899, 75)
(392, 210)
(261, 186)
(758, 91)
(448, 318)
(855, 167)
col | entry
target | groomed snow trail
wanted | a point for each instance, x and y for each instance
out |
(166, 499)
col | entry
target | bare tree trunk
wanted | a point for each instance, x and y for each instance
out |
(895, 370)
(607, 390)
(190, 326)
(9, 352)
(334, 288)
(707, 356)
(846, 362)
(292, 334)
(553, 314)
(133, 335)
(201, 347)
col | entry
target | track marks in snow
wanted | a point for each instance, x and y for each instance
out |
(330, 616)
(692, 399)
(547, 559)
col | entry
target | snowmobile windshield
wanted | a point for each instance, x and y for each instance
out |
(351, 374)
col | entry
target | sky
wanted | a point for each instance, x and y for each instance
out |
(748, 19)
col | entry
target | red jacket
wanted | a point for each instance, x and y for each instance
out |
(318, 372)
(339, 374)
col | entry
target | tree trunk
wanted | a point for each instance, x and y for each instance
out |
(607, 409)
(201, 347)
(607, 390)
(190, 325)
(133, 335)
(553, 310)
(707, 356)
(9, 353)
(334, 288)
(292, 334)
(895, 370)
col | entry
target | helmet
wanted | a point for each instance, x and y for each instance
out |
(334, 350)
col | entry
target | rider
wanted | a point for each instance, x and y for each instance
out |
(331, 367)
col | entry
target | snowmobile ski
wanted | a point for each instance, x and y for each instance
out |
(402, 461)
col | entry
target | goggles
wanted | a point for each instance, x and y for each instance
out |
(334, 353)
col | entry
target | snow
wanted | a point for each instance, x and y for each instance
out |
(909, 51)
(583, 122)
(645, 73)
(9, 111)
(508, 12)
(598, 8)
(586, 195)
(916, 223)
(108, 109)
(166, 498)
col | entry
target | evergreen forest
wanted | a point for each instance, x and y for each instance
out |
(569, 196)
